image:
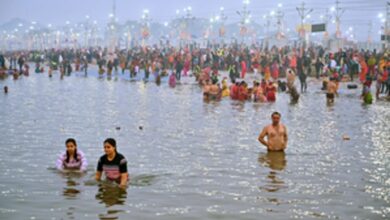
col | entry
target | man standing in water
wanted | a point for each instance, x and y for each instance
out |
(276, 134)
(331, 91)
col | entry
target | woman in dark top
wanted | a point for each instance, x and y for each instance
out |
(113, 164)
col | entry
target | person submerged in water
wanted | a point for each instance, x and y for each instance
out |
(276, 134)
(112, 164)
(366, 94)
(172, 80)
(214, 92)
(258, 93)
(225, 88)
(271, 92)
(72, 159)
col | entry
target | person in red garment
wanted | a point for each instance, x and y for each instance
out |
(243, 91)
(271, 92)
(234, 91)
(243, 69)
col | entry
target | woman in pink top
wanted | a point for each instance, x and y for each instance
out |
(187, 65)
(172, 80)
(72, 158)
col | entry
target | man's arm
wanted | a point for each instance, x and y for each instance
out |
(261, 137)
(285, 135)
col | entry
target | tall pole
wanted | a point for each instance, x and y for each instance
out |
(145, 22)
(279, 16)
(326, 19)
(339, 12)
(188, 18)
(87, 31)
(114, 9)
(112, 26)
(245, 19)
(369, 39)
(303, 13)
(267, 24)
(223, 19)
(386, 28)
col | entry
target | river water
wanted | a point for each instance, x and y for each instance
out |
(188, 159)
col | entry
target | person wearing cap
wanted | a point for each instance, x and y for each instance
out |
(112, 164)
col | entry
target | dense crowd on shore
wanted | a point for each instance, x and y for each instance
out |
(268, 67)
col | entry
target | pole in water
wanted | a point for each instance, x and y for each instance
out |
(5, 89)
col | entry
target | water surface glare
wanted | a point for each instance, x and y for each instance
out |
(190, 160)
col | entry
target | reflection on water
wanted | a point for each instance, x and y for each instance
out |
(276, 161)
(111, 215)
(71, 190)
(110, 194)
(197, 160)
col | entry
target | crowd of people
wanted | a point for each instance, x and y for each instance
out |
(268, 67)
(221, 71)
(113, 165)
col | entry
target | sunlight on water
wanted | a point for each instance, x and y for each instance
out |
(190, 159)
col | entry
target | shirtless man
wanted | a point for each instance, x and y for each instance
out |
(206, 90)
(290, 79)
(276, 134)
(213, 91)
(331, 91)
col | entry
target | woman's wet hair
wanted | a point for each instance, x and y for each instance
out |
(73, 141)
(111, 141)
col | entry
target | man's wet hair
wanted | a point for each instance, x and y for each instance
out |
(276, 113)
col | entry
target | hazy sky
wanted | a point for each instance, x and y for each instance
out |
(358, 12)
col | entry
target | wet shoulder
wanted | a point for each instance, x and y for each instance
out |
(120, 158)
(284, 128)
(269, 128)
(103, 158)
(80, 153)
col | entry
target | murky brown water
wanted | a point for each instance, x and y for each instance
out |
(191, 160)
